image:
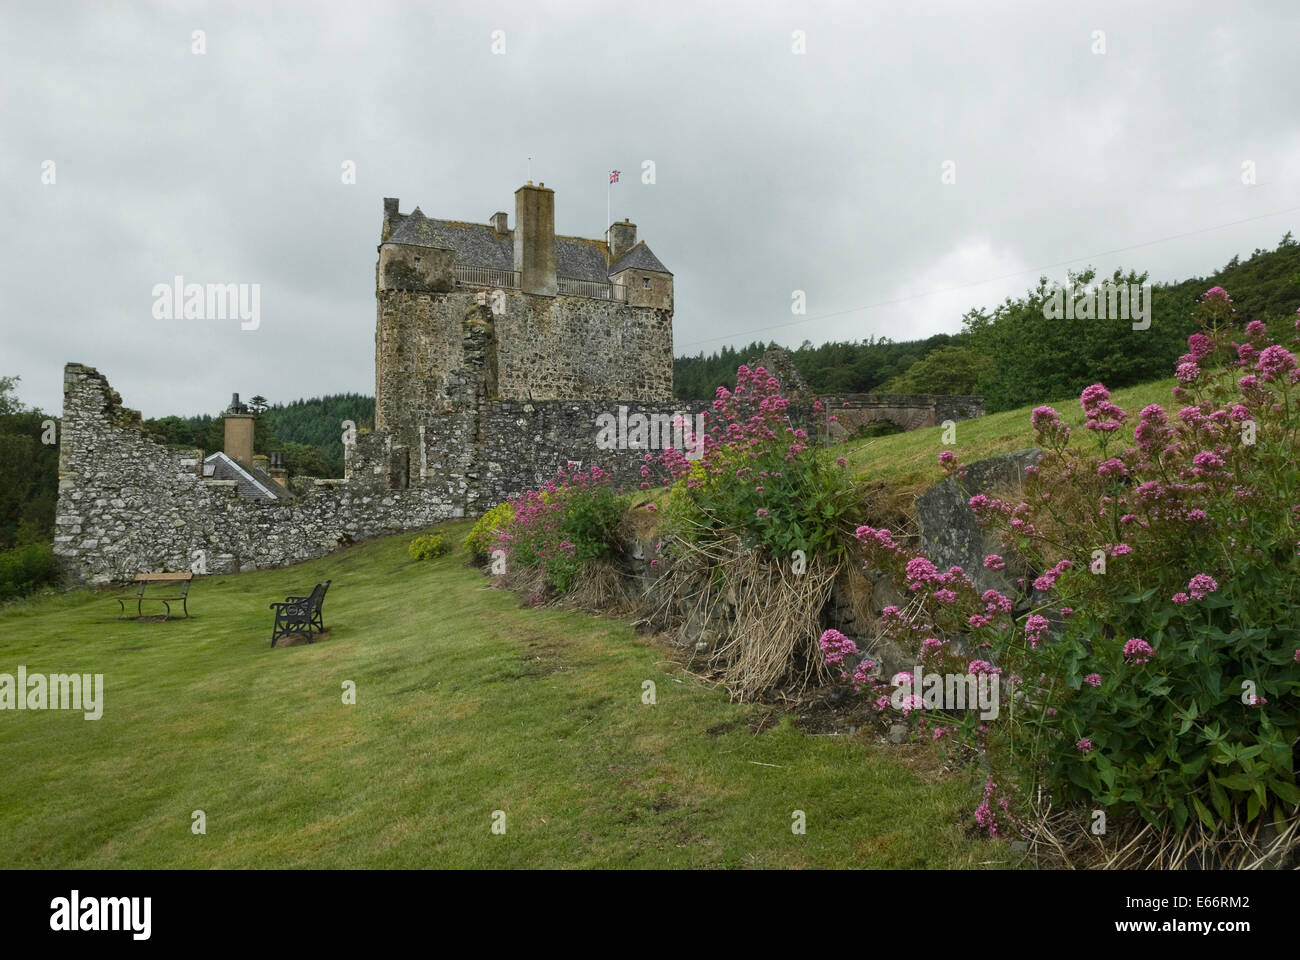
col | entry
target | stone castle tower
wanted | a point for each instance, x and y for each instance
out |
(475, 319)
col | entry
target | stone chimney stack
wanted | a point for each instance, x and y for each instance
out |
(239, 433)
(278, 471)
(499, 222)
(535, 239)
(391, 217)
(620, 238)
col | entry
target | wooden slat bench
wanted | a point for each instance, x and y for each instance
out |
(180, 590)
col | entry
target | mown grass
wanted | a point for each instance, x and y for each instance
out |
(910, 461)
(466, 703)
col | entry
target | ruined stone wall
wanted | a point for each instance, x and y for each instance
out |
(128, 504)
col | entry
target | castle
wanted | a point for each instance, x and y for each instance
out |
(497, 349)
(480, 326)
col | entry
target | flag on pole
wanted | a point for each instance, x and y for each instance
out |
(614, 175)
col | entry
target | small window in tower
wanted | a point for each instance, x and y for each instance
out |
(645, 283)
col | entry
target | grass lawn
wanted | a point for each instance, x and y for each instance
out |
(466, 704)
(911, 460)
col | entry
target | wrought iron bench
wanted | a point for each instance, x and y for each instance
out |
(300, 615)
(145, 580)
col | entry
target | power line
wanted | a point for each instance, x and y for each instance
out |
(978, 283)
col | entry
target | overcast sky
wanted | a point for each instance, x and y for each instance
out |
(775, 171)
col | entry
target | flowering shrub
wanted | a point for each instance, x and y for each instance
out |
(568, 523)
(759, 476)
(427, 547)
(1154, 666)
(480, 539)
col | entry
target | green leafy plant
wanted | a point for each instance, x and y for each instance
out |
(427, 547)
(480, 539)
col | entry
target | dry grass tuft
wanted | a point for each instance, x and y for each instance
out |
(766, 617)
(1060, 838)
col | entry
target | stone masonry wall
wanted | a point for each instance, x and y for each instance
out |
(128, 504)
(538, 348)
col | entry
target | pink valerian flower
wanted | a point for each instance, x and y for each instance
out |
(1035, 627)
(929, 646)
(1296, 658)
(1067, 612)
(1199, 346)
(995, 602)
(761, 513)
(1120, 550)
(1201, 586)
(881, 704)
(1050, 429)
(920, 571)
(1049, 577)
(1138, 650)
(902, 679)
(1102, 415)
(947, 459)
(835, 647)
(994, 562)
(983, 666)
(1273, 362)
(1084, 745)
(909, 703)
(862, 674)
(1216, 293)
(946, 597)
(877, 539)
(1113, 468)
(1152, 429)
(841, 461)
(1254, 700)
(1208, 460)
(1093, 679)
(1187, 372)
(1180, 598)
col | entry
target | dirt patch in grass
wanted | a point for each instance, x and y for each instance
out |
(300, 639)
(542, 659)
(835, 710)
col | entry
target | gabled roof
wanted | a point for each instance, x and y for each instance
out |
(638, 258)
(252, 483)
(479, 245)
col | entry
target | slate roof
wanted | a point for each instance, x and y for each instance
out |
(254, 484)
(638, 258)
(581, 259)
(475, 244)
(479, 245)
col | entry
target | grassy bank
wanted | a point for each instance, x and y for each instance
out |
(466, 704)
(910, 460)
